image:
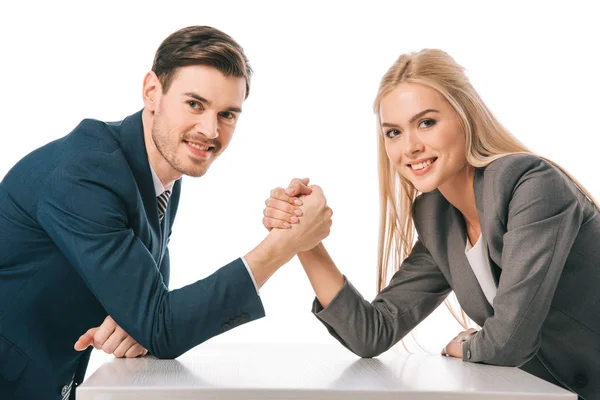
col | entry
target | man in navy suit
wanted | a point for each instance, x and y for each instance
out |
(85, 221)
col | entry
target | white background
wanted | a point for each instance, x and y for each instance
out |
(317, 67)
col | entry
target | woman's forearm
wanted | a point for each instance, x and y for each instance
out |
(322, 273)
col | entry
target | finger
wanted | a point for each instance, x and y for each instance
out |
(135, 351)
(280, 215)
(104, 331)
(85, 340)
(298, 187)
(279, 194)
(125, 345)
(271, 223)
(283, 206)
(469, 332)
(114, 340)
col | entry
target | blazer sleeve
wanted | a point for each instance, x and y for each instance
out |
(369, 329)
(82, 209)
(543, 218)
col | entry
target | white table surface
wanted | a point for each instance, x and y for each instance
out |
(309, 371)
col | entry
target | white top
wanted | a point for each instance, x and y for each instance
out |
(480, 264)
(269, 371)
(159, 189)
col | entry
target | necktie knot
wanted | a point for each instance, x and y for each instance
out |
(162, 201)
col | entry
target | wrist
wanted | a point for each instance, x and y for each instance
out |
(315, 251)
(266, 258)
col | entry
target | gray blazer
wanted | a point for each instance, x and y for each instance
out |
(543, 239)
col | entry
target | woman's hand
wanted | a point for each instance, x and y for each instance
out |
(283, 206)
(454, 348)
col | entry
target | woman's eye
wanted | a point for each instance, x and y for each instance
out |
(427, 123)
(392, 133)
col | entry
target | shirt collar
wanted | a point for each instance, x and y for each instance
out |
(158, 186)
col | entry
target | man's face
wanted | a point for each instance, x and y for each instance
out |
(195, 119)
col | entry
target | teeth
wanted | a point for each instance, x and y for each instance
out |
(421, 165)
(197, 146)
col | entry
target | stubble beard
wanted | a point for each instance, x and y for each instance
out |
(169, 151)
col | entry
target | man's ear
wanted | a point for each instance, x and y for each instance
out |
(151, 92)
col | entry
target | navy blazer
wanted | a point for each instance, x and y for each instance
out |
(80, 239)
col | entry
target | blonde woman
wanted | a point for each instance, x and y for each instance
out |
(514, 236)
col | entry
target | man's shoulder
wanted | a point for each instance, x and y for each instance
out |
(94, 135)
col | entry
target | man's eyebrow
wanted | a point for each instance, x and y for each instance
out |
(208, 103)
(234, 109)
(198, 97)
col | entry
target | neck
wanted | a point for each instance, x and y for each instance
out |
(460, 193)
(161, 167)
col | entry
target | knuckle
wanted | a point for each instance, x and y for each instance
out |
(98, 339)
(268, 202)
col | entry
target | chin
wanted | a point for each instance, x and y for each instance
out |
(425, 187)
(195, 172)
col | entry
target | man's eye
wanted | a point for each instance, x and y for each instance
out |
(194, 104)
(227, 115)
(427, 123)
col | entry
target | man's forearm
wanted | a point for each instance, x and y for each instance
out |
(266, 258)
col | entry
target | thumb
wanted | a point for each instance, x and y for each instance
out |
(85, 340)
(298, 187)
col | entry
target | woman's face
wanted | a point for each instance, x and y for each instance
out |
(423, 136)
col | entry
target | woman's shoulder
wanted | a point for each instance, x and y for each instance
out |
(516, 162)
(508, 172)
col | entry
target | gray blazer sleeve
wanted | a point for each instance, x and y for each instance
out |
(369, 329)
(543, 217)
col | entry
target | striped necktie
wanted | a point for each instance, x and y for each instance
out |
(162, 202)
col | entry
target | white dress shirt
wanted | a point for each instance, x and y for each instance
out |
(159, 189)
(480, 264)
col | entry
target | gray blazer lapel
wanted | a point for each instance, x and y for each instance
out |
(442, 228)
(484, 196)
(464, 283)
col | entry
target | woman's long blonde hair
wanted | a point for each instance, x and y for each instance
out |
(486, 141)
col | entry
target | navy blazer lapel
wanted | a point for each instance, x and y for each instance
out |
(134, 148)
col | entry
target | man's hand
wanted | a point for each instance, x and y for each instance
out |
(454, 348)
(283, 207)
(112, 339)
